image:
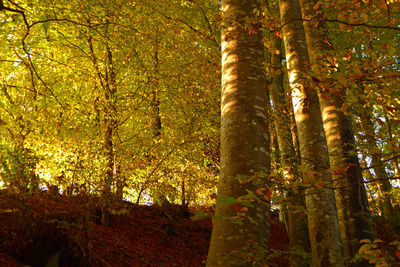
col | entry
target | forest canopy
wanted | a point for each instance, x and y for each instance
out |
(135, 83)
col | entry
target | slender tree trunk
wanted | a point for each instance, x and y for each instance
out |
(155, 101)
(322, 216)
(391, 142)
(109, 175)
(351, 197)
(298, 230)
(395, 161)
(109, 124)
(238, 240)
(378, 166)
(119, 181)
(108, 83)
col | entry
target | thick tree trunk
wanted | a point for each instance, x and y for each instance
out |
(351, 197)
(238, 240)
(298, 230)
(322, 216)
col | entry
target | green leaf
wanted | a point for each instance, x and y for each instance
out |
(246, 203)
(234, 220)
(226, 200)
(252, 220)
(200, 215)
(251, 194)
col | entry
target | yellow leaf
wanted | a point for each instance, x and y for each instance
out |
(364, 16)
(344, 107)
(364, 249)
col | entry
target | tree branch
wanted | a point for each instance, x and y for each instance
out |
(341, 22)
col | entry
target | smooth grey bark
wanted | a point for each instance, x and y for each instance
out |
(351, 198)
(244, 141)
(323, 222)
(298, 230)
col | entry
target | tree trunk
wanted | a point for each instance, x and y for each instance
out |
(392, 142)
(109, 124)
(241, 237)
(109, 85)
(351, 197)
(377, 165)
(120, 181)
(298, 231)
(109, 175)
(155, 101)
(322, 216)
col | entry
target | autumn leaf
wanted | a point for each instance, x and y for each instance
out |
(268, 196)
(252, 31)
(236, 207)
(259, 191)
(390, 109)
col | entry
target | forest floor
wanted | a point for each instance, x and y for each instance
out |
(33, 227)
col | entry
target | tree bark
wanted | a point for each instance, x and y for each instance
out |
(298, 230)
(322, 216)
(109, 124)
(392, 142)
(384, 185)
(155, 101)
(240, 235)
(351, 198)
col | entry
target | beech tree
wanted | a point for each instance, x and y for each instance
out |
(351, 198)
(382, 177)
(320, 202)
(237, 239)
(298, 231)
